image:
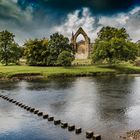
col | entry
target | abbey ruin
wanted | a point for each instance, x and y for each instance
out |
(83, 47)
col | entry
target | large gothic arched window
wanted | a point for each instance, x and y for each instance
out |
(81, 43)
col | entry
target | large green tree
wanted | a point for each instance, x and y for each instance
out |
(57, 44)
(9, 50)
(113, 45)
(107, 33)
(36, 52)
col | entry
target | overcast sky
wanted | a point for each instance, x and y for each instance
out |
(40, 18)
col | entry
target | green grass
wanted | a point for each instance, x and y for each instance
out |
(127, 69)
(15, 71)
(11, 71)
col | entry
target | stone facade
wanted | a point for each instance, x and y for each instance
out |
(82, 48)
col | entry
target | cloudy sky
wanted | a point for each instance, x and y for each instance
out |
(40, 18)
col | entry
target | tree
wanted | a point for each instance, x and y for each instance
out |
(36, 51)
(9, 50)
(15, 53)
(57, 44)
(107, 33)
(113, 45)
(65, 58)
(138, 45)
(46, 52)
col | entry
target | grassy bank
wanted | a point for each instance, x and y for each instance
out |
(21, 71)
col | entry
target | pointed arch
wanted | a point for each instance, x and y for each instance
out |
(87, 41)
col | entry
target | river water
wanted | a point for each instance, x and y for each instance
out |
(109, 106)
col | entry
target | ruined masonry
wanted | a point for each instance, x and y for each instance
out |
(82, 48)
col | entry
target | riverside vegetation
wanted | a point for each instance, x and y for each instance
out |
(113, 52)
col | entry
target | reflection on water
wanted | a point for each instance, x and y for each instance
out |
(107, 105)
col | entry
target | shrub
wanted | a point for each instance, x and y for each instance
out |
(65, 58)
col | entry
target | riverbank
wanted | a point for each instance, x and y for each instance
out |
(131, 135)
(33, 72)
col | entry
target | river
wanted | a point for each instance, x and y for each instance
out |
(107, 105)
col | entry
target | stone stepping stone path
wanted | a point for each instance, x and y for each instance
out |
(63, 125)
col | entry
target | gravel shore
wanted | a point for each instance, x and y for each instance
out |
(131, 135)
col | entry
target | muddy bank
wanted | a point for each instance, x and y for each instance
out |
(19, 77)
(38, 76)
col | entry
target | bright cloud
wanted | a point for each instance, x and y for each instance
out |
(74, 21)
(92, 24)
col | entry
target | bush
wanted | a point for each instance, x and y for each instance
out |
(65, 58)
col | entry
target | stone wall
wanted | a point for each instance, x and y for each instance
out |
(82, 50)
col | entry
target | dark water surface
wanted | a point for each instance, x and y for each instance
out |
(109, 106)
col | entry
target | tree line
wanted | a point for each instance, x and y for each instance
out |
(56, 51)
(112, 45)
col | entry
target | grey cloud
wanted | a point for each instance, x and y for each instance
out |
(10, 11)
(25, 23)
(133, 25)
(21, 22)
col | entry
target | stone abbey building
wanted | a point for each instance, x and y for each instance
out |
(83, 47)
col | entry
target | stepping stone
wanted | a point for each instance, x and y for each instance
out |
(17, 103)
(14, 102)
(40, 113)
(36, 111)
(32, 109)
(71, 127)
(64, 125)
(45, 116)
(50, 118)
(10, 100)
(78, 130)
(57, 122)
(89, 134)
(25, 107)
(97, 137)
(22, 106)
(28, 108)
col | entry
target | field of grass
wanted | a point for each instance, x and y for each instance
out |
(15, 71)
(11, 71)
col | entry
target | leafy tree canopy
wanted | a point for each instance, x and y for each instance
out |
(36, 51)
(46, 52)
(107, 33)
(113, 45)
(57, 44)
(9, 50)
